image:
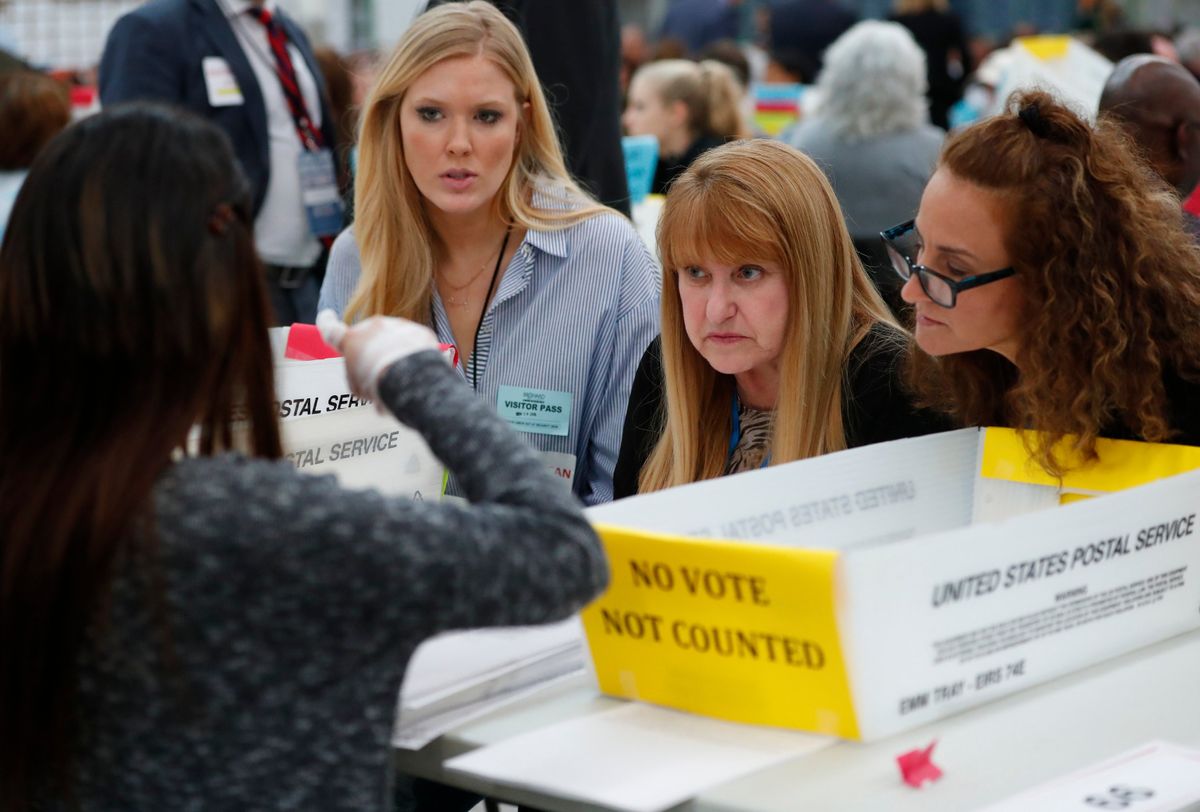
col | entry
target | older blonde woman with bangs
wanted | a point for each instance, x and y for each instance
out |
(468, 221)
(775, 346)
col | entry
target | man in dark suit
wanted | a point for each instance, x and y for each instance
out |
(247, 67)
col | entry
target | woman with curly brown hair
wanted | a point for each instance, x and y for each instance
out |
(1054, 285)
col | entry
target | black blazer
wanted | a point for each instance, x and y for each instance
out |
(876, 406)
(155, 52)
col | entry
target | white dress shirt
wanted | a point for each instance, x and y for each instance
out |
(573, 313)
(281, 231)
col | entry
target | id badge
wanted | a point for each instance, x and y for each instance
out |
(535, 411)
(219, 81)
(319, 192)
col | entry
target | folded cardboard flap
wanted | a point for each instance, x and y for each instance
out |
(870, 603)
(858, 497)
(1123, 463)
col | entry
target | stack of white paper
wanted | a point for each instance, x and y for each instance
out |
(636, 758)
(457, 677)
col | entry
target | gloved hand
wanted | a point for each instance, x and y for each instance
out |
(373, 345)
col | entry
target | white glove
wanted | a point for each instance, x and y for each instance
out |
(373, 345)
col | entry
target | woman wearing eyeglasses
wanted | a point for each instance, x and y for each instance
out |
(775, 345)
(1053, 284)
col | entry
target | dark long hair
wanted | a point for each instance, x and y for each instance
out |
(1111, 282)
(33, 109)
(132, 308)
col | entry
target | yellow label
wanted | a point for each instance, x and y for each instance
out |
(774, 122)
(736, 631)
(1046, 48)
(1122, 463)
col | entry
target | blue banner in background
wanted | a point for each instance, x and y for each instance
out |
(641, 159)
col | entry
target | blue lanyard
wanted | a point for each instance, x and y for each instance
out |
(735, 431)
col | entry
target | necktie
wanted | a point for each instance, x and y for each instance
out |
(310, 136)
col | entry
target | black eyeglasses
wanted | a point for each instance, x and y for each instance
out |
(942, 290)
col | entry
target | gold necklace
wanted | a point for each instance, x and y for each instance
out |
(465, 300)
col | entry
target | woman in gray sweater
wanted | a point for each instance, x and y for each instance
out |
(217, 631)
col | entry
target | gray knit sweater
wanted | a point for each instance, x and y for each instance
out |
(292, 607)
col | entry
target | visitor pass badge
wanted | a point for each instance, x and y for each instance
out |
(535, 411)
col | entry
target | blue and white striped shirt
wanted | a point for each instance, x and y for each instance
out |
(574, 312)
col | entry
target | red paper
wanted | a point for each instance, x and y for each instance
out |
(305, 344)
(917, 767)
(1192, 204)
(82, 96)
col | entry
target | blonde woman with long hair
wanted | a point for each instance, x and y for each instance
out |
(690, 107)
(775, 345)
(468, 221)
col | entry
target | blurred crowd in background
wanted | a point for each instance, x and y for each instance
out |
(872, 110)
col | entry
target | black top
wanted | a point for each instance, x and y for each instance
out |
(671, 167)
(876, 406)
(1183, 413)
(1182, 409)
(938, 33)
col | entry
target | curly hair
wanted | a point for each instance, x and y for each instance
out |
(1111, 285)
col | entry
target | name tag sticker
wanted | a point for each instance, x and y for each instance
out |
(561, 465)
(222, 86)
(535, 411)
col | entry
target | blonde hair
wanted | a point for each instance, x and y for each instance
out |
(396, 241)
(709, 90)
(760, 200)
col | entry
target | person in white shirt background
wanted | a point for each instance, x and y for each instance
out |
(247, 67)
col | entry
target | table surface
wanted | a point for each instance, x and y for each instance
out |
(988, 753)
